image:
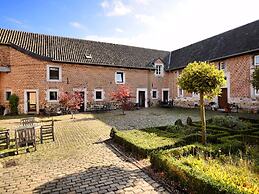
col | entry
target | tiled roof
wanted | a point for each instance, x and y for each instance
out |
(72, 50)
(239, 40)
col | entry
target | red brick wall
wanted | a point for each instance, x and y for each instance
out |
(239, 69)
(30, 73)
(4, 55)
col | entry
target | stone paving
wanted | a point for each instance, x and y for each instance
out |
(77, 162)
(150, 117)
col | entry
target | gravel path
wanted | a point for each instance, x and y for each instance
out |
(149, 117)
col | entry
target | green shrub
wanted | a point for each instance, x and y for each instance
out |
(113, 131)
(144, 142)
(14, 102)
(189, 121)
(179, 122)
(193, 166)
(229, 122)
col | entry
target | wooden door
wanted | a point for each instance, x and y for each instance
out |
(165, 96)
(141, 98)
(32, 101)
(223, 99)
(82, 107)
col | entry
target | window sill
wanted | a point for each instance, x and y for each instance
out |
(98, 100)
(53, 80)
(53, 101)
(120, 83)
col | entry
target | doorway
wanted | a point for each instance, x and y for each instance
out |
(82, 106)
(83, 93)
(141, 98)
(165, 96)
(223, 99)
(31, 101)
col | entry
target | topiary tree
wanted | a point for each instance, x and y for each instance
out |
(255, 79)
(205, 79)
(13, 103)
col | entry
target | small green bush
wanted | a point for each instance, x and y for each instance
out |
(189, 121)
(229, 122)
(113, 131)
(14, 102)
(179, 122)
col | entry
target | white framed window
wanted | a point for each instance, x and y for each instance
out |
(222, 66)
(180, 92)
(54, 73)
(119, 77)
(98, 95)
(52, 95)
(7, 94)
(159, 69)
(256, 92)
(154, 94)
(256, 60)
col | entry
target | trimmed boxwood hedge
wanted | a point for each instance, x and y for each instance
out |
(169, 161)
(142, 147)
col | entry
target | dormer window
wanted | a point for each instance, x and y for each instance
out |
(256, 60)
(159, 69)
(222, 66)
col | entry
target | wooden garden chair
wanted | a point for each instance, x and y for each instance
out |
(25, 137)
(27, 121)
(4, 138)
(47, 131)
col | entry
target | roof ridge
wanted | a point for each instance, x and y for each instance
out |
(78, 39)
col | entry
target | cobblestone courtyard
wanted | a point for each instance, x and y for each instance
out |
(77, 162)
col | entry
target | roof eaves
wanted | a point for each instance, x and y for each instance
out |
(29, 52)
(103, 64)
(219, 58)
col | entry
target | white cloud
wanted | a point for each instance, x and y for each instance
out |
(115, 8)
(15, 21)
(145, 19)
(119, 30)
(143, 2)
(170, 25)
(77, 25)
(105, 4)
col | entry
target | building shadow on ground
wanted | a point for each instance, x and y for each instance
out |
(102, 179)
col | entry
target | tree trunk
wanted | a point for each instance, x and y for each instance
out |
(203, 120)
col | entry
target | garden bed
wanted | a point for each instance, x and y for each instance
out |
(144, 142)
(202, 173)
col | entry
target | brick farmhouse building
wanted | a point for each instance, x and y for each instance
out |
(37, 67)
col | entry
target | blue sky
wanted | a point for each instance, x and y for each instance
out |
(159, 24)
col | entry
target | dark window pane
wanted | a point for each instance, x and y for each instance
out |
(53, 95)
(98, 95)
(154, 94)
(54, 73)
(8, 94)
